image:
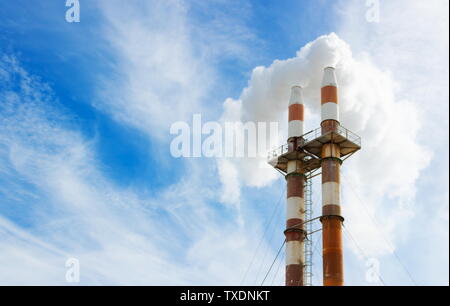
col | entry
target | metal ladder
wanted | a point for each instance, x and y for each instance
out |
(308, 270)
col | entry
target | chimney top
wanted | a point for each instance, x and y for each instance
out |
(329, 77)
(296, 95)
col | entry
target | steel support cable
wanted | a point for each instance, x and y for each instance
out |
(315, 248)
(276, 273)
(374, 221)
(279, 264)
(357, 246)
(295, 225)
(347, 231)
(274, 260)
(265, 254)
(262, 237)
(301, 223)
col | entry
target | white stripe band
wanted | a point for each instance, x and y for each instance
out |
(330, 193)
(296, 96)
(291, 166)
(294, 253)
(295, 208)
(329, 77)
(330, 110)
(295, 128)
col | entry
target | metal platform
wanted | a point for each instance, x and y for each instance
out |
(348, 141)
(279, 158)
(310, 146)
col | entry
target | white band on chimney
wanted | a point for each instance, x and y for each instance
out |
(294, 253)
(329, 77)
(295, 128)
(330, 111)
(296, 95)
(330, 193)
(295, 208)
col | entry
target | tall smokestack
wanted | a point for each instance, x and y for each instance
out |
(295, 206)
(329, 100)
(296, 113)
(333, 267)
(299, 159)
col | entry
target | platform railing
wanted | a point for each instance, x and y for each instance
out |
(316, 133)
(278, 152)
(349, 135)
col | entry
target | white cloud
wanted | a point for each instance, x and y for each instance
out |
(166, 64)
(159, 78)
(229, 178)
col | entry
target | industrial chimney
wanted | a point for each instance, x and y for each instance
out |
(333, 265)
(295, 206)
(300, 159)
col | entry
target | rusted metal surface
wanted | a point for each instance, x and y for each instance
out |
(294, 235)
(294, 275)
(329, 126)
(333, 268)
(330, 170)
(295, 186)
(333, 262)
(296, 223)
(313, 141)
(331, 210)
(331, 150)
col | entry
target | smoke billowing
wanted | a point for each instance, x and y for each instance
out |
(368, 106)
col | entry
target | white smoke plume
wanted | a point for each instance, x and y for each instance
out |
(368, 106)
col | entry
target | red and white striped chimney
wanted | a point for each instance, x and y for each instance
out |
(329, 96)
(296, 113)
(295, 206)
(333, 266)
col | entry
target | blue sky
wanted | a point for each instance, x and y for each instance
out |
(86, 108)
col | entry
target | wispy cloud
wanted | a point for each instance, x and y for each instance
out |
(120, 236)
(167, 55)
